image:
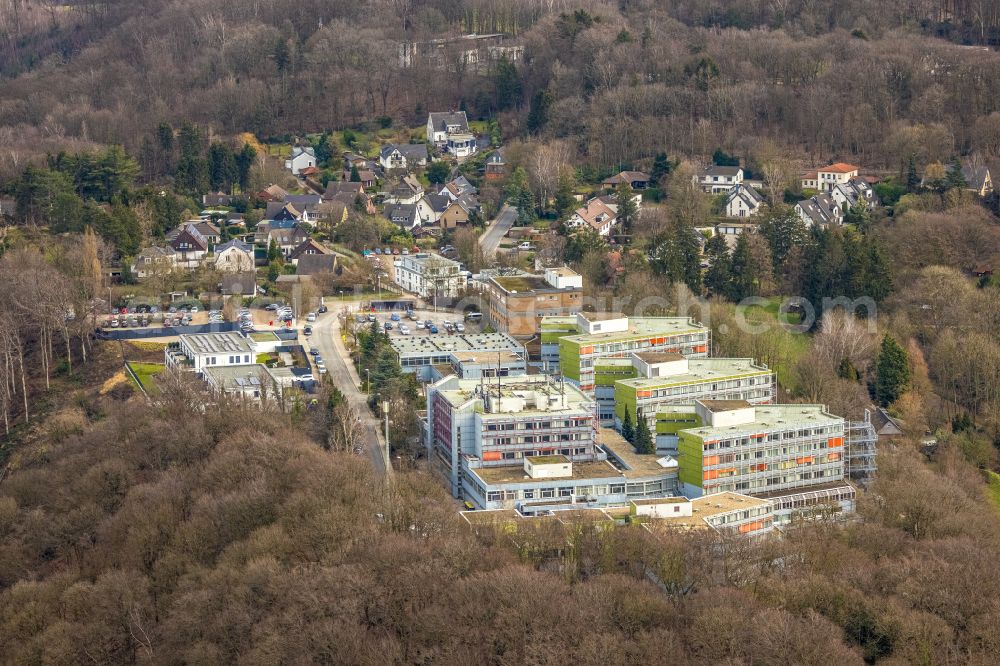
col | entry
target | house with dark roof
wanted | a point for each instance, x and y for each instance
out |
(190, 246)
(403, 215)
(404, 156)
(208, 231)
(279, 211)
(637, 180)
(243, 283)
(977, 179)
(306, 247)
(854, 190)
(886, 427)
(458, 187)
(304, 203)
(314, 264)
(154, 260)
(820, 210)
(216, 199)
(407, 190)
(234, 256)
(441, 125)
(743, 201)
(286, 239)
(337, 187)
(496, 166)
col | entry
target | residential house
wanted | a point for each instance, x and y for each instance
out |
(279, 211)
(287, 239)
(154, 261)
(332, 213)
(886, 427)
(208, 231)
(242, 284)
(407, 190)
(431, 207)
(596, 215)
(849, 193)
(457, 213)
(305, 204)
(461, 145)
(458, 187)
(977, 179)
(214, 199)
(440, 125)
(826, 178)
(190, 246)
(429, 275)
(311, 265)
(403, 156)
(260, 235)
(301, 158)
(403, 215)
(272, 193)
(743, 201)
(338, 187)
(496, 167)
(308, 246)
(719, 179)
(637, 180)
(234, 256)
(820, 210)
(367, 177)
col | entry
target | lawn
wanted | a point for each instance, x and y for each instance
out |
(993, 488)
(772, 307)
(145, 372)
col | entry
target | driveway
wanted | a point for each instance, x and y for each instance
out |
(490, 239)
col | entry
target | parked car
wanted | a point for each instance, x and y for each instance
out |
(372, 317)
(420, 324)
(473, 316)
(434, 329)
(388, 325)
(320, 363)
(378, 250)
(308, 330)
(406, 251)
(322, 309)
(411, 315)
(404, 329)
(428, 323)
(394, 316)
(460, 327)
(271, 307)
(172, 309)
(194, 308)
(311, 317)
(361, 319)
(314, 351)
(114, 323)
(322, 370)
(396, 251)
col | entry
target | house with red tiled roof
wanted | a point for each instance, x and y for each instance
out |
(826, 178)
(595, 214)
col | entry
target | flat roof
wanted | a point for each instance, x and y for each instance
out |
(563, 271)
(602, 316)
(597, 470)
(819, 487)
(707, 506)
(521, 283)
(239, 376)
(660, 357)
(771, 417)
(469, 389)
(724, 405)
(405, 345)
(640, 465)
(216, 343)
(640, 327)
(487, 358)
(548, 460)
(699, 370)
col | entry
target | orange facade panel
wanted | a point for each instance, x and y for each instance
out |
(751, 527)
(834, 442)
(709, 474)
(586, 350)
(491, 455)
(644, 394)
(711, 460)
(805, 460)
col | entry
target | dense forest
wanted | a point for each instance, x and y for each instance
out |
(877, 82)
(161, 533)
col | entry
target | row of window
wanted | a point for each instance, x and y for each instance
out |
(771, 454)
(537, 425)
(705, 388)
(772, 482)
(825, 433)
(489, 442)
(233, 360)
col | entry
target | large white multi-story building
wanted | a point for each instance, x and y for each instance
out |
(430, 275)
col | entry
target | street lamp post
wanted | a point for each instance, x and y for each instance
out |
(385, 411)
(369, 389)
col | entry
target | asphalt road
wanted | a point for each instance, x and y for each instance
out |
(490, 239)
(326, 336)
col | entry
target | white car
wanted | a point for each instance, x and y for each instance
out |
(420, 324)
(311, 316)
(404, 329)
(460, 327)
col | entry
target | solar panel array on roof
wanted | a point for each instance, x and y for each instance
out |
(216, 343)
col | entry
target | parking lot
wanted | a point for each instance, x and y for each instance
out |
(417, 325)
